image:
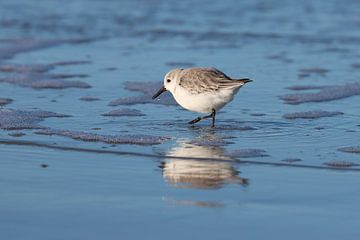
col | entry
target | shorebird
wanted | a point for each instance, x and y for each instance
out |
(200, 89)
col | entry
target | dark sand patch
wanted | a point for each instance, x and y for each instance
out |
(124, 112)
(39, 68)
(248, 153)
(308, 87)
(355, 65)
(4, 101)
(258, 114)
(165, 99)
(311, 114)
(327, 93)
(340, 164)
(89, 99)
(40, 81)
(350, 149)
(19, 68)
(37, 76)
(10, 47)
(65, 76)
(335, 50)
(74, 62)
(143, 99)
(139, 139)
(44, 165)
(303, 75)
(282, 57)
(16, 134)
(315, 70)
(291, 160)
(307, 72)
(110, 69)
(12, 119)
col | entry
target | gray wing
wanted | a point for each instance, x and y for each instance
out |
(201, 80)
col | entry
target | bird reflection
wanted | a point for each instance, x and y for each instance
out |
(192, 172)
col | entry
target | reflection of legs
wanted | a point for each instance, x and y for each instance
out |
(198, 119)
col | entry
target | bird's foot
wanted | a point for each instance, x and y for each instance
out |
(198, 119)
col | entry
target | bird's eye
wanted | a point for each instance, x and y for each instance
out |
(168, 80)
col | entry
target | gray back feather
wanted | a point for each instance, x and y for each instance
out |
(201, 80)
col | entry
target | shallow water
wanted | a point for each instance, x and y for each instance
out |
(86, 153)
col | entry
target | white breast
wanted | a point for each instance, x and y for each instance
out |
(204, 102)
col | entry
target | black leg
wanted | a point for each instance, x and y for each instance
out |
(198, 119)
(213, 118)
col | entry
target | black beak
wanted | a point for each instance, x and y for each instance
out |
(161, 90)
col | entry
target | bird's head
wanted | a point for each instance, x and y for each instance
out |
(170, 81)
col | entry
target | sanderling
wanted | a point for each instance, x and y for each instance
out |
(204, 90)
